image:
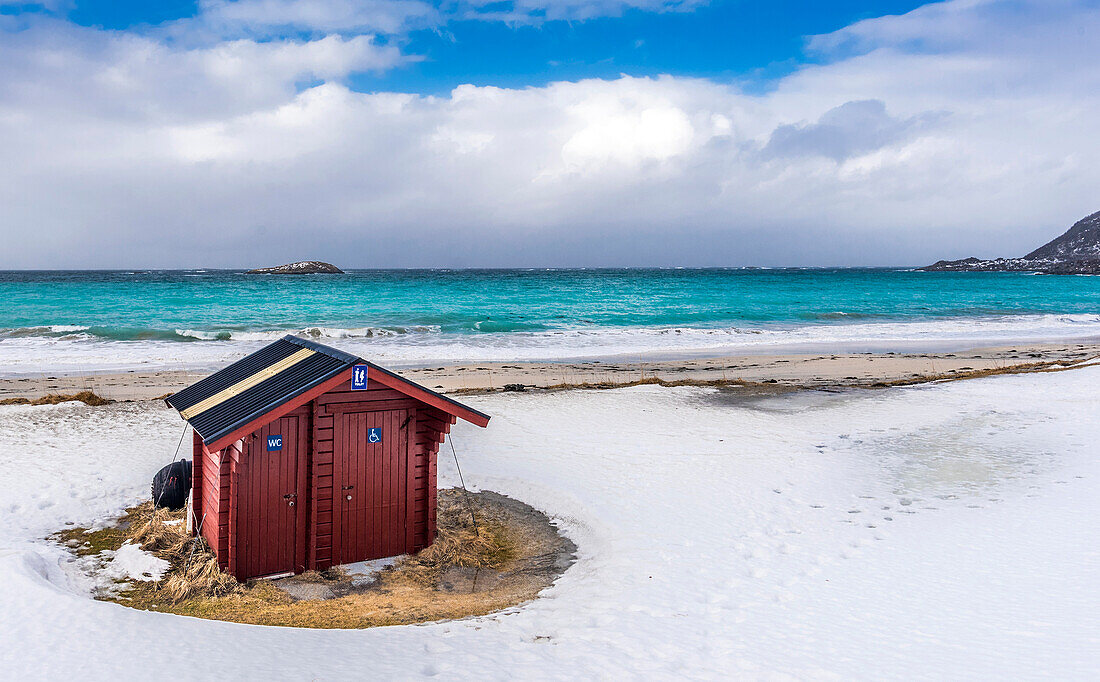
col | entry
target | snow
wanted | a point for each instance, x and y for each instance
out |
(132, 563)
(367, 572)
(931, 532)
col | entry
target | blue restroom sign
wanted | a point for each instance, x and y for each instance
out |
(274, 443)
(374, 435)
(359, 378)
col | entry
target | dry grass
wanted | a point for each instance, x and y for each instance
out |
(199, 576)
(774, 385)
(648, 381)
(657, 381)
(460, 541)
(86, 397)
(86, 542)
(1023, 368)
(262, 603)
(501, 550)
(194, 569)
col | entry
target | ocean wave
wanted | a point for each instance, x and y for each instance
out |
(496, 326)
(92, 333)
(842, 316)
(308, 332)
(408, 346)
(51, 330)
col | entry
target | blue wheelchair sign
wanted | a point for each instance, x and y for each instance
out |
(374, 435)
(274, 443)
(359, 378)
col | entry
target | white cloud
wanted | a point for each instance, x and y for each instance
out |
(266, 17)
(50, 5)
(626, 131)
(919, 142)
(847, 131)
(133, 79)
(526, 11)
(279, 17)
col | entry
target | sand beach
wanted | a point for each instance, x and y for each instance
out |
(794, 370)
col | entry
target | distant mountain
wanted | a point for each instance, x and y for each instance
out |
(305, 267)
(1080, 241)
(1077, 252)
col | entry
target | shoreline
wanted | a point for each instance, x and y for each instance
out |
(792, 370)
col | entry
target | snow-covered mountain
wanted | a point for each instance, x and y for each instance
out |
(1075, 252)
(1080, 241)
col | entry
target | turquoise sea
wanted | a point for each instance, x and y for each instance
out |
(98, 320)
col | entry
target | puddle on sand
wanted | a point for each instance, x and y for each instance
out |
(955, 459)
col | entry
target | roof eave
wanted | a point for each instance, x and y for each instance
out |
(426, 395)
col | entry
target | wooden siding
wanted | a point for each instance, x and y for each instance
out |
(269, 533)
(431, 426)
(211, 495)
(218, 482)
(370, 485)
(196, 479)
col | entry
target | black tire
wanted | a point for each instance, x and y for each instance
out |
(172, 485)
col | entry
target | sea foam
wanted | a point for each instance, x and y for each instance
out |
(81, 351)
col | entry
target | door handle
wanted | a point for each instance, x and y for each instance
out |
(348, 487)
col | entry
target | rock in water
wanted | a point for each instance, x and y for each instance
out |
(305, 267)
(1076, 252)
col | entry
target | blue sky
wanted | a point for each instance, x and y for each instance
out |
(749, 42)
(408, 133)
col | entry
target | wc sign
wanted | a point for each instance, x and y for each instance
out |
(274, 443)
(374, 435)
(359, 378)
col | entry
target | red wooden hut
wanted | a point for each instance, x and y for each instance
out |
(307, 457)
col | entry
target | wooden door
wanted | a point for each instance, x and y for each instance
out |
(271, 500)
(371, 485)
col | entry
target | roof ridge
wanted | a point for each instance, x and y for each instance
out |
(322, 348)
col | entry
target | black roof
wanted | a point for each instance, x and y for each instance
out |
(258, 383)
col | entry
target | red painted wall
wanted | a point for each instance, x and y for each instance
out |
(210, 478)
(431, 426)
(216, 482)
